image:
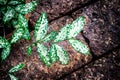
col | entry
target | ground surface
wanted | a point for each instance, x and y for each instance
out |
(101, 34)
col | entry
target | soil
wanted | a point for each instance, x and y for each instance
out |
(101, 33)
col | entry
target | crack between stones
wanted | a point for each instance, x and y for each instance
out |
(69, 13)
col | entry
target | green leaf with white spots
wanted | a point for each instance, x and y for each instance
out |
(18, 33)
(17, 68)
(15, 24)
(76, 27)
(22, 21)
(43, 53)
(8, 15)
(62, 35)
(50, 37)
(12, 77)
(5, 52)
(29, 50)
(26, 34)
(26, 8)
(3, 2)
(3, 42)
(15, 2)
(6, 48)
(41, 27)
(52, 54)
(62, 55)
(79, 46)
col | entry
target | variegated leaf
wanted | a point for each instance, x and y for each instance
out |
(5, 52)
(63, 33)
(15, 2)
(43, 53)
(79, 46)
(26, 34)
(41, 27)
(17, 35)
(12, 77)
(3, 42)
(62, 55)
(53, 54)
(17, 68)
(22, 21)
(76, 27)
(9, 15)
(49, 37)
(26, 8)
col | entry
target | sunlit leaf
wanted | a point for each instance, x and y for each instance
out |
(43, 53)
(50, 37)
(79, 46)
(17, 68)
(53, 54)
(12, 77)
(5, 52)
(26, 8)
(8, 15)
(41, 27)
(29, 50)
(62, 55)
(62, 35)
(17, 35)
(76, 27)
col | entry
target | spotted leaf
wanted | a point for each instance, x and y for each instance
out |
(15, 2)
(41, 27)
(62, 54)
(79, 46)
(76, 27)
(5, 52)
(62, 35)
(12, 77)
(18, 33)
(43, 53)
(3, 42)
(26, 8)
(50, 37)
(9, 15)
(17, 68)
(52, 54)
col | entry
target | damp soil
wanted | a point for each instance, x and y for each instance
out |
(101, 33)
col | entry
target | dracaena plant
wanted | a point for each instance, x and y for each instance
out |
(13, 12)
(15, 69)
(56, 52)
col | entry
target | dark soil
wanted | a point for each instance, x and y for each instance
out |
(101, 34)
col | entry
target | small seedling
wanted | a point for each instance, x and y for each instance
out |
(56, 52)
